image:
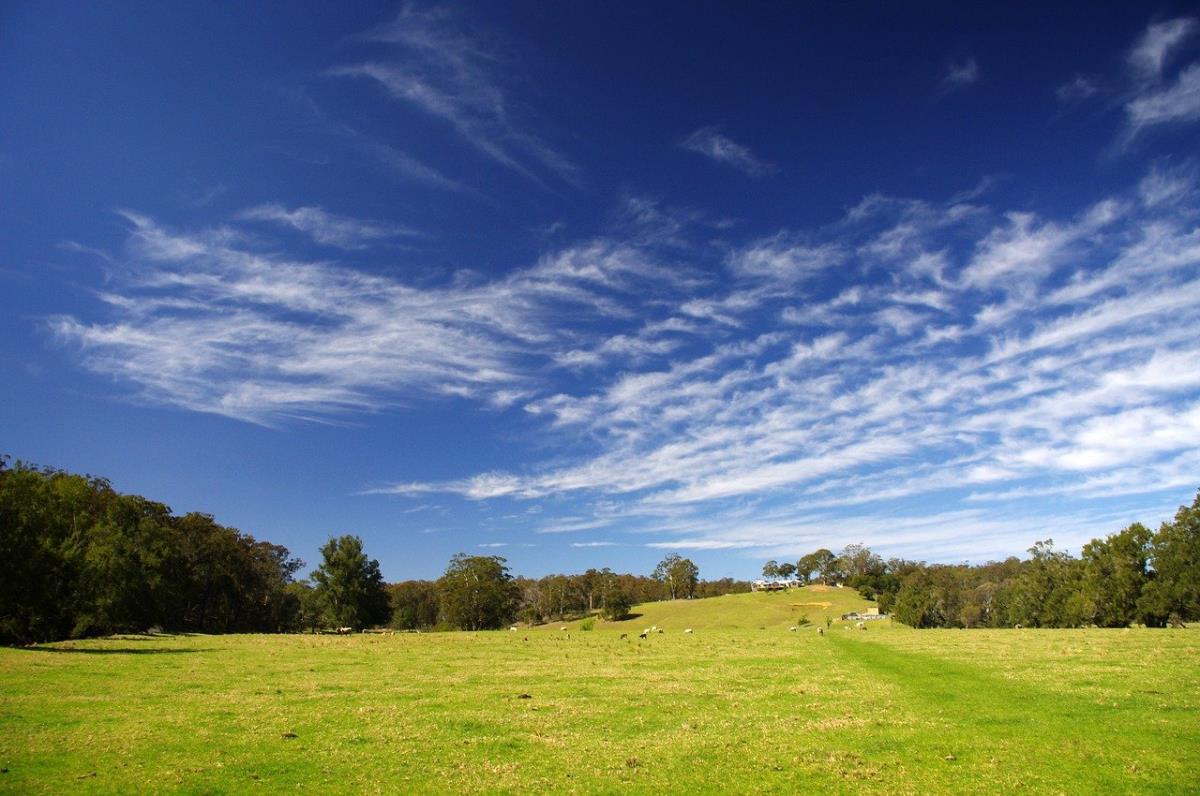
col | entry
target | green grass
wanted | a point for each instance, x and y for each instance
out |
(742, 705)
(772, 610)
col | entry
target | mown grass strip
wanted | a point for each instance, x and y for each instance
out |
(1014, 734)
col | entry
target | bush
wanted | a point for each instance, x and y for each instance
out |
(617, 603)
(587, 624)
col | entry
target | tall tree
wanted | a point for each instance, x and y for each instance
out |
(1114, 574)
(477, 592)
(807, 567)
(1174, 590)
(349, 585)
(591, 584)
(826, 565)
(857, 561)
(679, 575)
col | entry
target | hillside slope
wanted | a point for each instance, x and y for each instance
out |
(736, 611)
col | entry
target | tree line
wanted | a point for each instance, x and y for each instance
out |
(79, 559)
(479, 592)
(1133, 576)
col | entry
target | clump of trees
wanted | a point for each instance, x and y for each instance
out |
(79, 559)
(1134, 576)
(479, 592)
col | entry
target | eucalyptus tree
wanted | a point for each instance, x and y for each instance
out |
(477, 592)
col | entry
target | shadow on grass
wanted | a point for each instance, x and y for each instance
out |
(146, 636)
(115, 650)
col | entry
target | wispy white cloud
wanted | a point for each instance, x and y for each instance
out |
(713, 144)
(207, 322)
(960, 74)
(1085, 374)
(1156, 98)
(448, 75)
(329, 228)
(1156, 45)
(403, 164)
(1173, 104)
(1077, 89)
(1167, 183)
(749, 395)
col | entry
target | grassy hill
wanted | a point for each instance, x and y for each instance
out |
(760, 610)
(741, 705)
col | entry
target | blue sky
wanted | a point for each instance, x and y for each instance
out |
(582, 285)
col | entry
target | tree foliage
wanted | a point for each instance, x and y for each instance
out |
(477, 593)
(819, 565)
(414, 604)
(349, 586)
(616, 601)
(79, 559)
(679, 575)
(1132, 576)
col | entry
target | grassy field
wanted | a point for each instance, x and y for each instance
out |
(742, 704)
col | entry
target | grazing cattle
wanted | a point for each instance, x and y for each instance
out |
(624, 637)
(689, 630)
(563, 628)
(861, 625)
(643, 634)
(793, 629)
(820, 631)
(660, 630)
(344, 630)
